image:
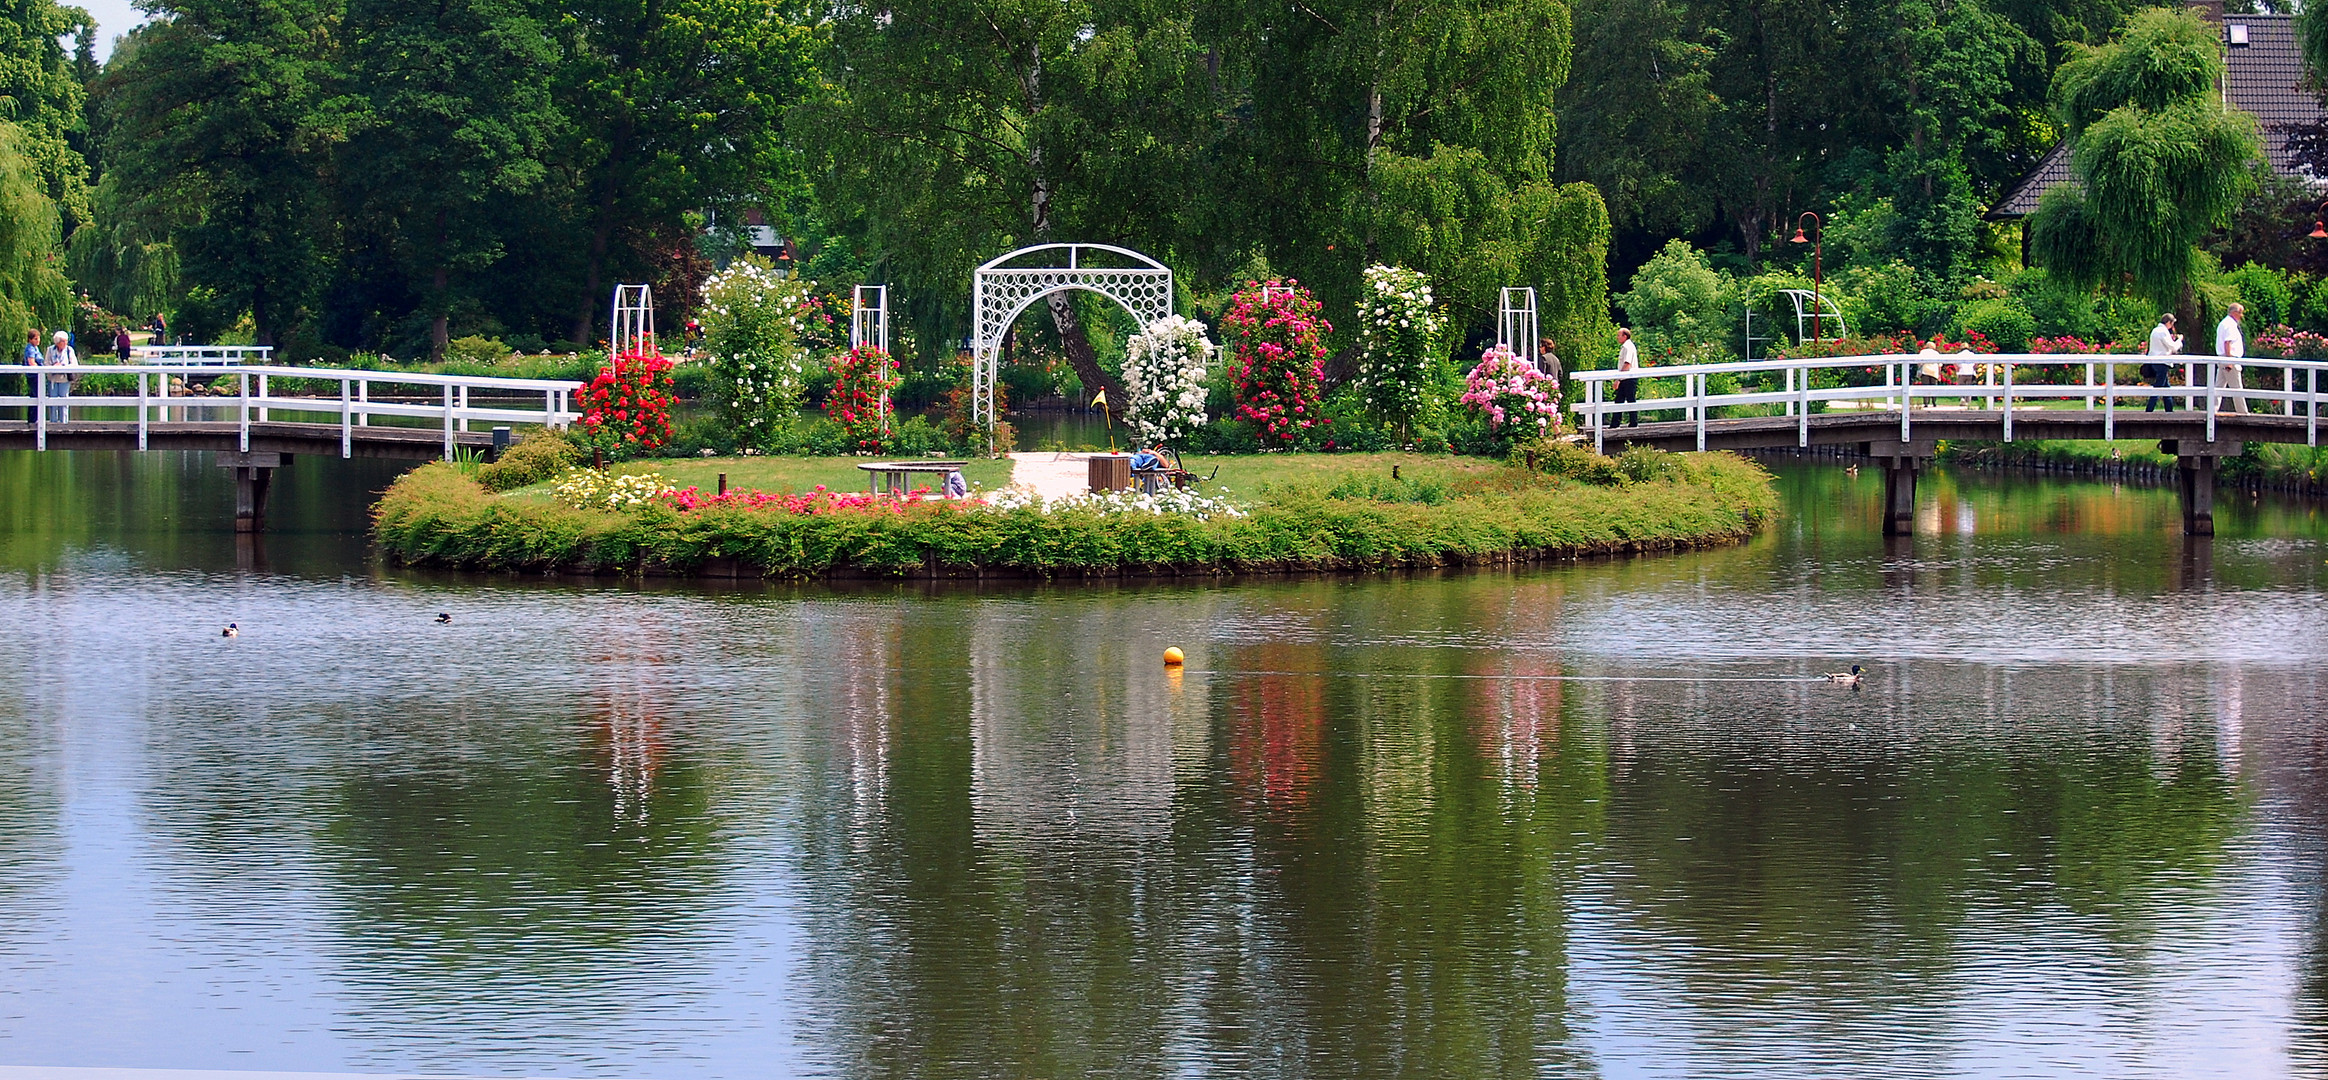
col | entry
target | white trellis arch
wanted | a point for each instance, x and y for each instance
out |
(999, 293)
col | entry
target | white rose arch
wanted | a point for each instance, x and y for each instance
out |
(1006, 287)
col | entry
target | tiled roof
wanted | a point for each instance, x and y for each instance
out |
(2021, 199)
(2263, 78)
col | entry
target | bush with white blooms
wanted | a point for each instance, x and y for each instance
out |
(751, 327)
(1164, 373)
(1401, 363)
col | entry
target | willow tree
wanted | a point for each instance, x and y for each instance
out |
(2161, 162)
(33, 293)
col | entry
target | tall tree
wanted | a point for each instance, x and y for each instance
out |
(446, 117)
(42, 95)
(673, 106)
(215, 133)
(33, 293)
(2163, 161)
(954, 130)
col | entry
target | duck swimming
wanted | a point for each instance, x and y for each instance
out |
(444, 617)
(1847, 678)
(231, 631)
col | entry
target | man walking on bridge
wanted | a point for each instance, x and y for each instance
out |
(2231, 344)
(1628, 390)
(2164, 342)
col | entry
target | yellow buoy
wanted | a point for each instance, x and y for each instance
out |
(1172, 657)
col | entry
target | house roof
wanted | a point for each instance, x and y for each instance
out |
(2263, 77)
(2021, 199)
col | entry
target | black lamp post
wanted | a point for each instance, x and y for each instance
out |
(1818, 244)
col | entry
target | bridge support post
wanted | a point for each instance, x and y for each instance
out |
(1901, 462)
(254, 474)
(2195, 467)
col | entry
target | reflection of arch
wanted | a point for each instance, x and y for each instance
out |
(1000, 293)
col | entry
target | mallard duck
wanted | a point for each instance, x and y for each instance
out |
(1847, 678)
(231, 631)
(1851, 470)
(444, 617)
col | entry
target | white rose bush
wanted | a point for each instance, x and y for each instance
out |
(1400, 350)
(752, 331)
(1164, 373)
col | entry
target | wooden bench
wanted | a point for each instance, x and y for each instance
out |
(897, 476)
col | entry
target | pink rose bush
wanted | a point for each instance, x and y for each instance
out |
(1518, 400)
(1277, 358)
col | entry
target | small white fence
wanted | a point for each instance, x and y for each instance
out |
(2097, 387)
(258, 394)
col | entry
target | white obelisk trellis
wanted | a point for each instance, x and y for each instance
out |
(1515, 322)
(634, 319)
(999, 293)
(869, 326)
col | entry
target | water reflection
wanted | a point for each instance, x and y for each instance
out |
(1591, 820)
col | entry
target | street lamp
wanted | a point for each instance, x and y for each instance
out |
(2320, 223)
(1818, 244)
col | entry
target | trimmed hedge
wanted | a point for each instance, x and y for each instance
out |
(435, 516)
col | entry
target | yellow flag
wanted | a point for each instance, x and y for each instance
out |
(1102, 398)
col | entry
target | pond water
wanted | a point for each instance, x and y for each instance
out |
(1592, 820)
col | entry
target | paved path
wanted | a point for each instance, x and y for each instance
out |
(1051, 475)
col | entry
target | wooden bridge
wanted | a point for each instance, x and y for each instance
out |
(272, 414)
(1877, 404)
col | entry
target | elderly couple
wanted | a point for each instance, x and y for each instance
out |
(2230, 345)
(54, 384)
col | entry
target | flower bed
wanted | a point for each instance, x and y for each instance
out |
(436, 516)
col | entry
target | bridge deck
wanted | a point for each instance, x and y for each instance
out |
(1970, 425)
(274, 436)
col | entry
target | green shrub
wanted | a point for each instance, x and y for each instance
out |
(474, 349)
(1678, 300)
(2265, 291)
(1642, 464)
(542, 454)
(2006, 324)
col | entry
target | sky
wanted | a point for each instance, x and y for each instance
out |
(114, 18)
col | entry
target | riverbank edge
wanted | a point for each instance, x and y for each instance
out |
(436, 517)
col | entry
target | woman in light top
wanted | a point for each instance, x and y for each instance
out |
(60, 383)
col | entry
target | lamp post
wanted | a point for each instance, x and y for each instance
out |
(2320, 222)
(1818, 244)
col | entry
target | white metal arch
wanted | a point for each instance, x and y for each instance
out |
(999, 294)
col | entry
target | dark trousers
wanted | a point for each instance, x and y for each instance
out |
(1628, 392)
(2159, 376)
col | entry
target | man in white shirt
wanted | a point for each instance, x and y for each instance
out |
(1628, 359)
(2231, 342)
(2164, 342)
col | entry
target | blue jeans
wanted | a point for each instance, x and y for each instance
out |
(56, 413)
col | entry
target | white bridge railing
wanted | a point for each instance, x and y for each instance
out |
(202, 355)
(2098, 386)
(354, 398)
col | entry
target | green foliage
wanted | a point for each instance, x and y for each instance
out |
(2266, 292)
(751, 330)
(1888, 298)
(42, 100)
(1678, 300)
(540, 455)
(2166, 57)
(33, 295)
(478, 350)
(2164, 163)
(2003, 321)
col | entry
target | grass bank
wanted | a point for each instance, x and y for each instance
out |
(2290, 468)
(1302, 514)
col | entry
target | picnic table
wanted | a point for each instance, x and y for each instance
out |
(897, 476)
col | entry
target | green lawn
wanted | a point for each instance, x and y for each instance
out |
(787, 474)
(1246, 477)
